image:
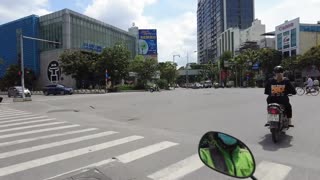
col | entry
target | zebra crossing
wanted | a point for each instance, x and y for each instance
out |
(39, 133)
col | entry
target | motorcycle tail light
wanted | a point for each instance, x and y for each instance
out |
(273, 111)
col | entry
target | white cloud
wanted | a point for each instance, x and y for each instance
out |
(12, 10)
(287, 10)
(176, 35)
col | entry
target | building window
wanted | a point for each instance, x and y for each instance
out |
(293, 38)
(279, 41)
(232, 42)
(286, 54)
(294, 52)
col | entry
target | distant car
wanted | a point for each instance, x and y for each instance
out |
(16, 91)
(197, 86)
(56, 89)
(207, 84)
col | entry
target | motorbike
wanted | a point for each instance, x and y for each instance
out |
(226, 154)
(278, 123)
(153, 89)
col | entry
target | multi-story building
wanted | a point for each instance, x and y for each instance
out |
(233, 39)
(214, 17)
(74, 30)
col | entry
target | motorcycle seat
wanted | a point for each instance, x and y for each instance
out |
(282, 107)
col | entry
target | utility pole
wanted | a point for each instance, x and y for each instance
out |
(187, 73)
(22, 61)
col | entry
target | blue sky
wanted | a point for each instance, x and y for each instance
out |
(175, 20)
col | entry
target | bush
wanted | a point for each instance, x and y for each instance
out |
(126, 87)
(162, 83)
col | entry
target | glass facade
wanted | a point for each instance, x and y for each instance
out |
(211, 23)
(51, 27)
(279, 41)
(240, 13)
(85, 33)
(10, 43)
(310, 28)
(293, 37)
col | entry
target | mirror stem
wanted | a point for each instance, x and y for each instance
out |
(253, 178)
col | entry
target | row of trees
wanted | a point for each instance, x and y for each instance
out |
(90, 68)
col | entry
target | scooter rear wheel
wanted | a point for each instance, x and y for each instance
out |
(275, 135)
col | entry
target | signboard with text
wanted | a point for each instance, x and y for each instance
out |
(148, 42)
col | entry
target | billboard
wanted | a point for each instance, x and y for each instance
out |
(148, 42)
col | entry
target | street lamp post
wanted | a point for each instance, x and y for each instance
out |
(22, 61)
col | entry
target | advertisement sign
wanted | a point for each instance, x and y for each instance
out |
(286, 42)
(92, 47)
(288, 26)
(148, 42)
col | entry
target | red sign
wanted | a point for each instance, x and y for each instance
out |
(287, 26)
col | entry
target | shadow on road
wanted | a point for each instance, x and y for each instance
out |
(268, 145)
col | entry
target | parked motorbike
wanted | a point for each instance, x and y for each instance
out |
(227, 155)
(278, 122)
(153, 89)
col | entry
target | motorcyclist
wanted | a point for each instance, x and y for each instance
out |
(226, 155)
(278, 89)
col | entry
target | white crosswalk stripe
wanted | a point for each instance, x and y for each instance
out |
(179, 169)
(23, 119)
(38, 131)
(269, 170)
(9, 143)
(63, 156)
(33, 126)
(16, 117)
(54, 144)
(28, 122)
(16, 111)
(13, 115)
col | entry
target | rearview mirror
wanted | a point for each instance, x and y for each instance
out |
(226, 154)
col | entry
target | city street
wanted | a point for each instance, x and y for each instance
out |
(151, 136)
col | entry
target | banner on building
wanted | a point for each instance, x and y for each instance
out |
(148, 42)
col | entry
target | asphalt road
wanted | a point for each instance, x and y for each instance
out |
(151, 135)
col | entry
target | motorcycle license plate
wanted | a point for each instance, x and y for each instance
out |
(273, 117)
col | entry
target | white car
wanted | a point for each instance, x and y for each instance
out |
(16, 91)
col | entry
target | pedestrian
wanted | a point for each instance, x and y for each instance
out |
(309, 84)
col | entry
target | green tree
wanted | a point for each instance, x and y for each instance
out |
(116, 60)
(168, 71)
(310, 58)
(12, 77)
(80, 65)
(268, 59)
(145, 68)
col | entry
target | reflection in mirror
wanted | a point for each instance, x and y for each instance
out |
(226, 155)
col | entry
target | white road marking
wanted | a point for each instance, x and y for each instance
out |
(10, 110)
(38, 131)
(125, 158)
(1, 119)
(63, 156)
(105, 162)
(179, 169)
(139, 153)
(23, 119)
(269, 170)
(10, 143)
(54, 144)
(14, 115)
(33, 126)
(28, 122)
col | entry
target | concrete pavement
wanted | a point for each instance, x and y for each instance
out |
(151, 135)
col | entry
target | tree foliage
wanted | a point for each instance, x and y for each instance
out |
(168, 71)
(12, 77)
(310, 58)
(145, 68)
(116, 60)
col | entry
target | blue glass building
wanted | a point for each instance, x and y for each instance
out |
(10, 43)
(214, 17)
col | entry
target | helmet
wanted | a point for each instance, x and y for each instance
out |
(227, 140)
(278, 69)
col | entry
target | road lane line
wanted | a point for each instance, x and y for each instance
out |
(54, 144)
(14, 115)
(269, 170)
(23, 119)
(63, 156)
(139, 153)
(101, 163)
(11, 110)
(179, 169)
(2, 119)
(38, 131)
(33, 126)
(10, 143)
(28, 122)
